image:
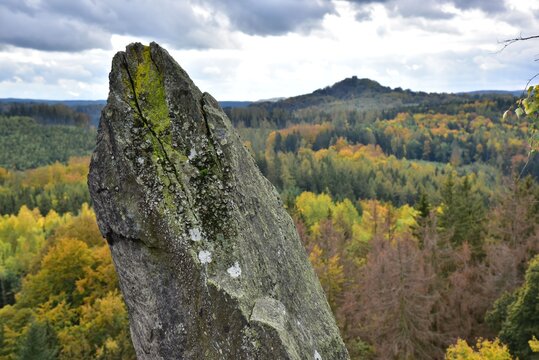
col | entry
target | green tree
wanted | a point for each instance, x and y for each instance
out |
(423, 218)
(39, 343)
(463, 213)
(522, 322)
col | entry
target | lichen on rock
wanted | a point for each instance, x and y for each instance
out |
(195, 230)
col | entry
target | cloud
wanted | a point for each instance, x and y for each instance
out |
(24, 29)
(410, 8)
(488, 6)
(365, 2)
(253, 49)
(52, 75)
(256, 17)
(363, 15)
(67, 25)
(44, 75)
(435, 9)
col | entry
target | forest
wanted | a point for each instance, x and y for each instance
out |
(33, 134)
(419, 213)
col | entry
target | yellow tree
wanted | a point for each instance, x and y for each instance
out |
(484, 350)
(331, 275)
(313, 208)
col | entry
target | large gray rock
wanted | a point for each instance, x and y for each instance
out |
(209, 262)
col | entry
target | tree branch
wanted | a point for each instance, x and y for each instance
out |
(508, 42)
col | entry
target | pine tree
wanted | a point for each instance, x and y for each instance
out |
(463, 214)
(422, 219)
(522, 320)
(39, 343)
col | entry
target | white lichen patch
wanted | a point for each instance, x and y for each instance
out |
(192, 154)
(317, 355)
(195, 234)
(234, 271)
(140, 160)
(204, 256)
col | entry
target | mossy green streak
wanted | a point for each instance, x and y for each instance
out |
(149, 98)
(149, 88)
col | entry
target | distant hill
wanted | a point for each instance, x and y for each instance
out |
(71, 103)
(275, 99)
(365, 98)
(347, 89)
(92, 108)
(352, 87)
(358, 94)
(234, 104)
(40, 109)
(350, 94)
(493, 92)
(46, 114)
(364, 94)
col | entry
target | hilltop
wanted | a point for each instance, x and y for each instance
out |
(366, 98)
(366, 94)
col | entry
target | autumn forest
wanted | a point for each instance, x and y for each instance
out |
(418, 211)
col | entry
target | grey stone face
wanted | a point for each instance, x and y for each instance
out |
(209, 262)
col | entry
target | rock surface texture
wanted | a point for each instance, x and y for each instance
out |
(209, 262)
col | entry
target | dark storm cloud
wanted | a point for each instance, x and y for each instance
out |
(25, 29)
(272, 17)
(67, 25)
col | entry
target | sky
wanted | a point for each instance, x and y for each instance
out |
(261, 49)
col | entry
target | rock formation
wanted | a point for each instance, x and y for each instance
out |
(209, 262)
